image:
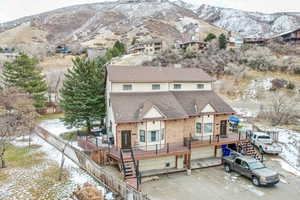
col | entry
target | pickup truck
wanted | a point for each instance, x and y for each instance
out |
(250, 168)
(265, 143)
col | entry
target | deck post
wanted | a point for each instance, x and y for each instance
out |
(167, 147)
(215, 153)
(86, 142)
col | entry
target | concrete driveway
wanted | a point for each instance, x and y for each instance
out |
(215, 184)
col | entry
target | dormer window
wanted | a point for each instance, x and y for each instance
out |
(127, 87)
(200, 86)
(177, 86)
(155, 86)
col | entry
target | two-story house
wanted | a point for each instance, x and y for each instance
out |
(168, 116)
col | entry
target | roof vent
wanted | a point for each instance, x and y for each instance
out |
(196, 108)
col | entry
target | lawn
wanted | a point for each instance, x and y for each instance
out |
(16, 156)
(50, 116)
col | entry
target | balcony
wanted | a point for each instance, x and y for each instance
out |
(215, 140)
(141, 152)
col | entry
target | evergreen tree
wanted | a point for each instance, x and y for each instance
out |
(222, 41)
(23, 73)
(83, 93)
(117, 50)
(210, 37)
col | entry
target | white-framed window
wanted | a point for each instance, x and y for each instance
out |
(153, 136)
(208, 128)
(177, 86)
(155, 86)
(198, 128)
(142, 136)
(127, 87)
(200, 86)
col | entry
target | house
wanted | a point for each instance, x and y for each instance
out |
(149, 47)
(170, 118)
(7, 55)
(235, 42)
(62, 48)
(255, 41)
(192, 45)
(292, 36)
(93, 53)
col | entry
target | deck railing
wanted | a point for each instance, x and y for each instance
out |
(92, 143)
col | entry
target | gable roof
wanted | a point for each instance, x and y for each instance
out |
(130, 74)
(153, 112)
(132, 107)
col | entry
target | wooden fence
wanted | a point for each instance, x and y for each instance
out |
(108, 180)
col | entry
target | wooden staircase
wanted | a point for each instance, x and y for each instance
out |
(129, 168)
(248, 150)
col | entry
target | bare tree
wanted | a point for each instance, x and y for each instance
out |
(281, 111)
(17, 115)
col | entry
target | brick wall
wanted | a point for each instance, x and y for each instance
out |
(175, 130)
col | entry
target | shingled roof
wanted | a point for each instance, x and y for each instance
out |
(131, 107)
(130, 74)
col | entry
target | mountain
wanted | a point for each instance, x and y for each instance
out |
(249, 23)
(100, 24)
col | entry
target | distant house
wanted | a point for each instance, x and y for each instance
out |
(7, 54)
(192, 45)
(290, 36)
(93, 53)
(148, 47)
(255, 41)
(62, 48)
(235, 42)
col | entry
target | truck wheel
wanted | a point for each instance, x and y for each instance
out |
(255, 181)
(227, 168)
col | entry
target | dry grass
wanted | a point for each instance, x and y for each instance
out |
(23, 156)
(48, 185)
(3, 175)
(57, 62)
(50, 116)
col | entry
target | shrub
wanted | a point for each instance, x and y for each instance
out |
(290, 86)
(278, 83)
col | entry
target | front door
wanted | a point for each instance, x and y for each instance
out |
(126, 139)
(223, 128)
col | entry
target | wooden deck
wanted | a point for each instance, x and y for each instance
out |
(162, 150)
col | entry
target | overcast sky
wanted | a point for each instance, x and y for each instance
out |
(13, 9)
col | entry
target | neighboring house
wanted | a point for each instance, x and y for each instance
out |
(254, 40)
(8, 55)
(290, 36)
(62, 48)
(93, 53)
(149, 47)
(170, 117)
(191, 45)
(234, 42)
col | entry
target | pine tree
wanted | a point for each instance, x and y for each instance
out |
(23, 73)
(222, 41)
(83, 93)
(210, 37)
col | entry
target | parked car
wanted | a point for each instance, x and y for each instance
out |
(265, 143)
(250, 168)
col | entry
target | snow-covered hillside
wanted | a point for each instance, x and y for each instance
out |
(249, 23)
